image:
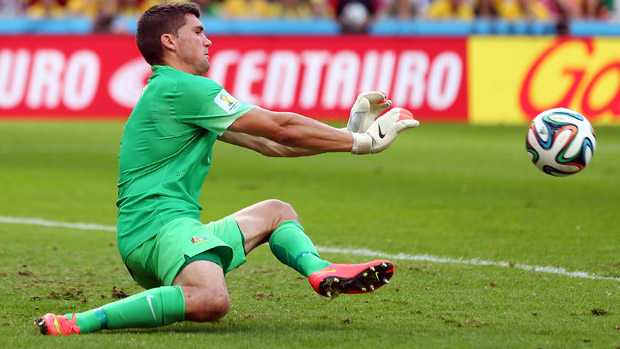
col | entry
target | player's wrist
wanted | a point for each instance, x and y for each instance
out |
(362, 143)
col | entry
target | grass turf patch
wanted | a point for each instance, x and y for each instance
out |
(454, 191)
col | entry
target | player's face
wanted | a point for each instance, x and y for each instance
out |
(193, 48)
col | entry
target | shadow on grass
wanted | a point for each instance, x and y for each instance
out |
(260, 327)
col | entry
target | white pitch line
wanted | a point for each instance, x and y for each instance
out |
(475, 262)
(357, 252)
(42, 222)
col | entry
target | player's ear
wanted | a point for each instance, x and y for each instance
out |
(168, 41)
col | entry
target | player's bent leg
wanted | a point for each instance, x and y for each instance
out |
(290, 244)
(205, 292)
(351, 278)
(258, 221)
(278, 223)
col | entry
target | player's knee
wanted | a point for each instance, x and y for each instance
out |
(282, 211)
(219, 307)
(213, 307)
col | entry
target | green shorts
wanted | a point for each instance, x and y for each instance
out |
(158, 261)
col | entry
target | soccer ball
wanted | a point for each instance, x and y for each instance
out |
(354, 16)
(560, 142)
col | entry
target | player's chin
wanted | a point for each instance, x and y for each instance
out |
(202, 69)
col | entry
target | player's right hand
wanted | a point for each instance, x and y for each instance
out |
(365, 110)
(383, 132)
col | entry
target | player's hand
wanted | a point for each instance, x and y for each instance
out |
(365, 110)
(382, 133)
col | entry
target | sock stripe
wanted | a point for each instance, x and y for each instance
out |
(303, 254)
(103, 319)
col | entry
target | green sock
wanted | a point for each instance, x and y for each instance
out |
(155, 307)
(293, 247)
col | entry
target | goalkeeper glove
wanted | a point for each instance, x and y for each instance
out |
(365, 110)
(382, 133)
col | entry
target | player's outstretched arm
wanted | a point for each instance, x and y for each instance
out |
(286, 134)
(264, 146)
(289, 134)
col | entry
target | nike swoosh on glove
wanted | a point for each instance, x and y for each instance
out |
(383, 132)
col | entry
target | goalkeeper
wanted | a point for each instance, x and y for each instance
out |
(165, 155)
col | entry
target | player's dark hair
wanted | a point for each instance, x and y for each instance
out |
(163, 18)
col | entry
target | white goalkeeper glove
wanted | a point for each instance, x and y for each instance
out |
(365, 110)
(383, 131)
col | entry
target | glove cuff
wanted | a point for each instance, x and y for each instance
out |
(362, 143)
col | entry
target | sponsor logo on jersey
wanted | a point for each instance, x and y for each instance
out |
(227, 102)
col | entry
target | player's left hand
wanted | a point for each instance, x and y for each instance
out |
(365, 110)
(383, 132)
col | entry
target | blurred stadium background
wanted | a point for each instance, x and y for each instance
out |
(468, 61)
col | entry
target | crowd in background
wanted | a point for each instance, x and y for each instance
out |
(353, 15)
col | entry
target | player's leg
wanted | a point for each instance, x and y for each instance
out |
(198, 294)
(204, 288)
(277, 222)
(184, 258)
(151, 308)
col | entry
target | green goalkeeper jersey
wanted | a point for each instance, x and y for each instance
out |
(166, 151)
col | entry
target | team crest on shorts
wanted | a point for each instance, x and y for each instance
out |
(199, 240)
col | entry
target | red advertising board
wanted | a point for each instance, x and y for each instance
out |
(63, 76)
(102, 76)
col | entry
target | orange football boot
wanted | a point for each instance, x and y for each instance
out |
(57, 325)
(351, 278)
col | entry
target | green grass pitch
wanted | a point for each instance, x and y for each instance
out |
(442, 202)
